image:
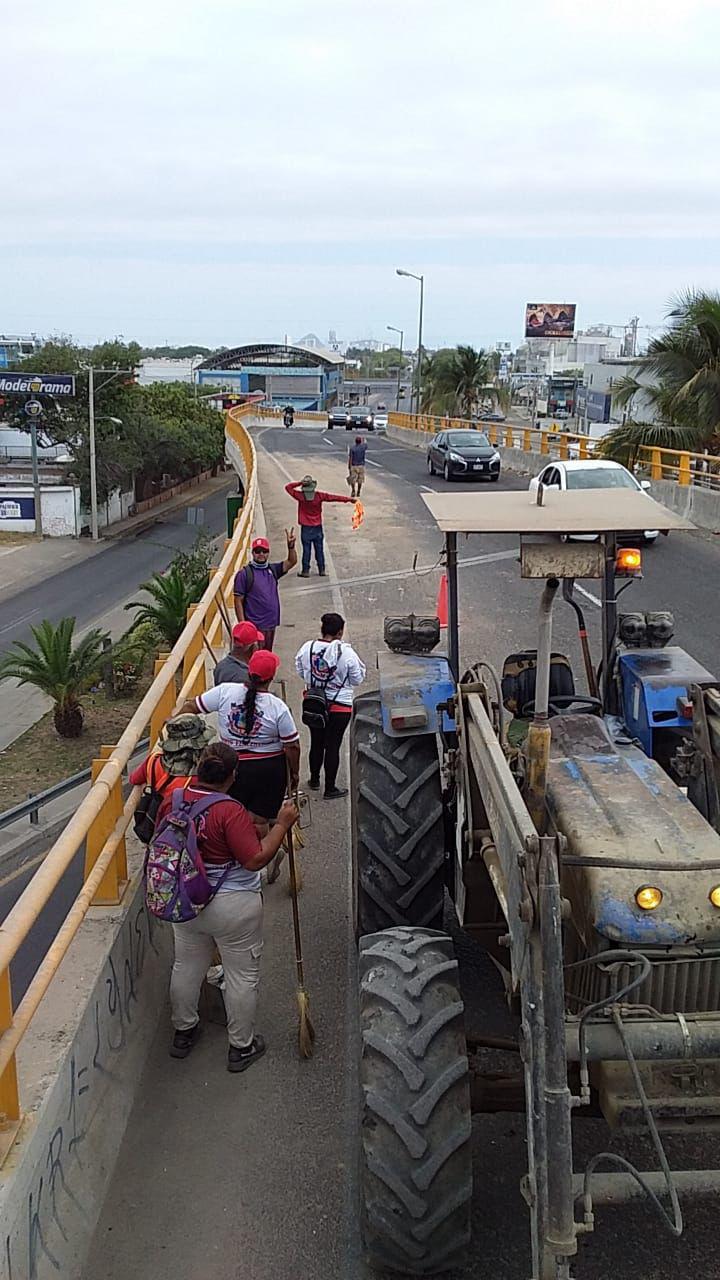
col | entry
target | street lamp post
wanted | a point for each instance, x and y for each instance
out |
(392, 329)
(418, 373)
(114, 373)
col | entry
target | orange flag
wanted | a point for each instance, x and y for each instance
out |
(358, 515)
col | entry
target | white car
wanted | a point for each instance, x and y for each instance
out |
(593, 473)
(380, 421)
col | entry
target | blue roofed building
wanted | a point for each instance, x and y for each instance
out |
(308, 378)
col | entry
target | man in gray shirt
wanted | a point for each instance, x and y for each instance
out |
(233, 669)
(356, 466)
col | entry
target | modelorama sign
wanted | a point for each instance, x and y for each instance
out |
(38, 384)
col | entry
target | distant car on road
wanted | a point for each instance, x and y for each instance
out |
(594, 473)
(361, 416)
(339, 416)
(463, 453)
(491, 417)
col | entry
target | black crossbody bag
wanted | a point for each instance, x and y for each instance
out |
(316, 705)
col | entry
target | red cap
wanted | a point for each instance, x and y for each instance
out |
(263, 664)
(261, 544)
(247, 633)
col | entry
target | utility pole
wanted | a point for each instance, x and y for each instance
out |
(392, 329)
(93, 460)
(418, 371)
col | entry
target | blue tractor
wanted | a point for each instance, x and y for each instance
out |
(576, 835)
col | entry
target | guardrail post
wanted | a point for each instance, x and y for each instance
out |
(111, 887)
(193, 652)
(544, 443)
(684, 473)
(165, 705)
(526, 443)
(492, 434)
(564, 445)
(509, 438)
(582, 447)
(655, 465)
(9, 1095)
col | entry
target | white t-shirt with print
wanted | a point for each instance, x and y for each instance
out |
(273, 725)
(332, 665)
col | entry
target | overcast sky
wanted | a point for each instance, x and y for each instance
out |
(241, 169)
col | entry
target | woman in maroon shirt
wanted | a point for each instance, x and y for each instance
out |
(233, 855)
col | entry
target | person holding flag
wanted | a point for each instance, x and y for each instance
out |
(310, 501)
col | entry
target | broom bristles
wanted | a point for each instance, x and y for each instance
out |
(306, 1030)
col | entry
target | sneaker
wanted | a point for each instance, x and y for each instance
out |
(314, 784)
(303, 575)
(322, 573)
(184, 1042)
(241, 1059)
(335, 793)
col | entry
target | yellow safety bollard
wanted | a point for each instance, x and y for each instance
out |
(116, 808)
(9, 1095)
(684, 473)
(110, 889)
(527, 442)
(193, 652)
(164, 708)
(655, 464)
(544, 443)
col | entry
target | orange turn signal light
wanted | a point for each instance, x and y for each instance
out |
(628, 560)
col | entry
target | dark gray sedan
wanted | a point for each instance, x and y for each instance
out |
(361, 417)
(338, 416)
(463, 453)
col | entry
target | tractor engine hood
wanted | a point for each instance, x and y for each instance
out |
(626, 823)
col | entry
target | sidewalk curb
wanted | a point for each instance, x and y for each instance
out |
(138, 524)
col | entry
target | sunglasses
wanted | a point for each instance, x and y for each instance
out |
(260, 551)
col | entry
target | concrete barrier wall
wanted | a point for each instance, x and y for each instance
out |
(702, 506)
(81, 1064)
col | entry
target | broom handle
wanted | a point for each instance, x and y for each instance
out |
(222, 608)
(293, 884)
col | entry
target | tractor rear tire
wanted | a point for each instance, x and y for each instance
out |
(397, 820)
(416, 1118)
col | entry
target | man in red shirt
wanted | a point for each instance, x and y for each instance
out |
(310, 503)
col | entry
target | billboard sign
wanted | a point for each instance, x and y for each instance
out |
(15, 508)
(38, 384)
(550, 319)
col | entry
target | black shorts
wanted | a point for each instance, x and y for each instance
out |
(260, 785)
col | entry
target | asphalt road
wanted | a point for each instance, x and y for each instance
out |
(498, 615)
(90, 589)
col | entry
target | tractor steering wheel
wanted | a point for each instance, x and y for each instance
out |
(563, 702)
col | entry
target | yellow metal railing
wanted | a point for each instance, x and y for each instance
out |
(700, 469)
(553, 441)
(102, 818)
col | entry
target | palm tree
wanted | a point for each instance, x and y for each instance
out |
(456, 380)
(171, 595)
(58, 669)
(682, 382)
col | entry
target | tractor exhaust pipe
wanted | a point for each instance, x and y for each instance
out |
(538, 739)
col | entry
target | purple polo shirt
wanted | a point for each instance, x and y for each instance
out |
(262, 603)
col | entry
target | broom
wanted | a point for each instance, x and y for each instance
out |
(306, 1030)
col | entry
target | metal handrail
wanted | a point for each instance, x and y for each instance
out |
(102, 808)
(681, 465)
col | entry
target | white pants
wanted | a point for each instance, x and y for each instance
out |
(234, 921)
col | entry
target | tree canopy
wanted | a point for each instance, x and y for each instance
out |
(680, 377)
(456, 379)
(143, 431)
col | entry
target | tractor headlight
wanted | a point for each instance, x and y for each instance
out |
(714, 896)
(648, 897)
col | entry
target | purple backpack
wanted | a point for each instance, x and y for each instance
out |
(176, 882)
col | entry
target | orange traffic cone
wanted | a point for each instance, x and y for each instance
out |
(441, 608)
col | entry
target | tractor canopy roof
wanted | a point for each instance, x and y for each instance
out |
(585, 511)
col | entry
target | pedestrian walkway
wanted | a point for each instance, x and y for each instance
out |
(252, 1176)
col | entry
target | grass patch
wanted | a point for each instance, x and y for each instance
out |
(40, 758)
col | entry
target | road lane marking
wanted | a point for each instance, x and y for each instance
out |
(370, 463)
(16, 621)
(489, 558)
